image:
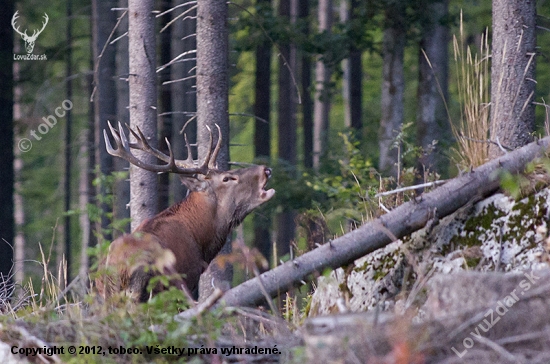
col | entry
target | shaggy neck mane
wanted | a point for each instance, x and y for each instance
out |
(201, 219)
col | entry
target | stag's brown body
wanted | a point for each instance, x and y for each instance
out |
(182, 240)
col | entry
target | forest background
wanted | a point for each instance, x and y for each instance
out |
(337, 96)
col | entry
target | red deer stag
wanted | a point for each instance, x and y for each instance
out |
(182, 240)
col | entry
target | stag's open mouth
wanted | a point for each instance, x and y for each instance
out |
(266, 195)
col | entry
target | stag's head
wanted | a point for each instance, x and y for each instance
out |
(233, 194)
(29, 40)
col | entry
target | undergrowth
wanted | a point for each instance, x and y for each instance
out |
(105, 331)
(473, 75)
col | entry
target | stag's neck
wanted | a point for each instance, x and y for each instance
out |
(199, 216)
(209, 226)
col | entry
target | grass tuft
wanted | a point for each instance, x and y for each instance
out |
(473, 75)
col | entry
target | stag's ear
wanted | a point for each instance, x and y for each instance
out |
(194, 184)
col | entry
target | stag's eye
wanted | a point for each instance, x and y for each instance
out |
(226, 179)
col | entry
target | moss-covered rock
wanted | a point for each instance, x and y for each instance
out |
(495, 234)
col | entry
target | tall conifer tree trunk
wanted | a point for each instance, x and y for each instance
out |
(83, 201)
(19, 211)
(212, 107)
(6, 140)
(431, 119)
(393, 86)
(286, 124)
(121, 210)
(352, 72)
(305, 80)
(512, 74)
(143, 101)
(103, 22)
(90, 238)
(68, 142)
(356, 78)
(262, 134)
(322, 92)
(183, 90)
(165, 104)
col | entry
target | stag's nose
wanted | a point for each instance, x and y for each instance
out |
(267, 172)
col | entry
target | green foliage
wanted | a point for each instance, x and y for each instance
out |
(107, 183)
(407, 150)
(259, 23)
(348, 183)
(293, 192)
(511, 184)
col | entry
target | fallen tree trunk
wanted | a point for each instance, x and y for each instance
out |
(401, 221)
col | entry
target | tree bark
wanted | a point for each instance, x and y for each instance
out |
(393, 86)
(19, 211)
(286, 121)
(305, 80)
(512, 74)
(356, 80)
(352, 73)
(6, 141)
(104, 20)
(344, 13)
(183, 93)
(286, 124)
(212, 107)
(212, 77)
(19, 218)
(91, 239)
(431, 119)
(321, 106)
(122, 187)
(165, 104)
(262, 134)
(143, 101)
(68, 143)
(83, 200)
(401, 221)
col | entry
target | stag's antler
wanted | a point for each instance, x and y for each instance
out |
(35, 33)
(186, 167)
(15, 27)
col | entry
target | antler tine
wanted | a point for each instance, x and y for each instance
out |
(213, 164)
(116, 137)
(172, 162)
(123, 137)
(44, 23)
(141, 140)
(108, 145)
(123, 148)
(139, 143)
(143, 144)
(15, 26)
(206, 164)
(189, 152)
